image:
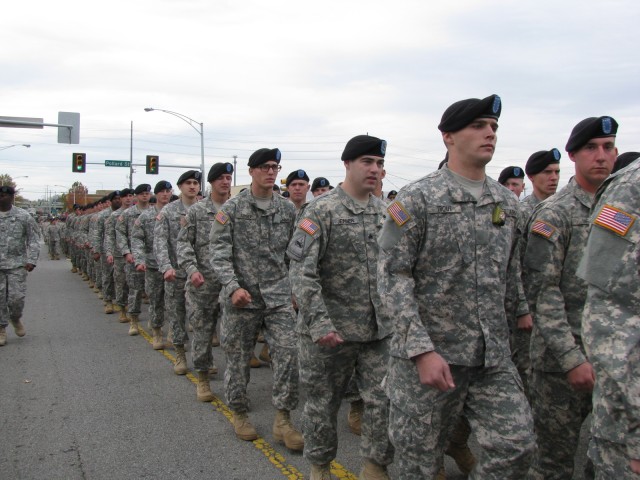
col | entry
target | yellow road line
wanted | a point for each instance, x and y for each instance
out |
(289, 471)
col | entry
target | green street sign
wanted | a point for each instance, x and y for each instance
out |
(117, 163)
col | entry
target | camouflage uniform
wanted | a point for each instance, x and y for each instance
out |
(19, 245)
(99, 240)
(135, 279)
(112, 250)
(193, 256)
(54, 237)
(443, 270)
(142, 249)
(611, 323)
(557, 235)
(333, 270)
(97, 264)
(248, 247)
(168, 223)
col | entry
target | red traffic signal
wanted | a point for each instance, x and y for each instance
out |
(152, 164)
(79, 163)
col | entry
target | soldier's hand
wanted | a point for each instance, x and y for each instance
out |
(582, 378)
(29, 267)
(635, 466)
(128, 258)
(331, 339)
(525, 322)
(240, 298)
(434, 371)
(141, 268)
(110, 259)
(169, 275)
(96, 256)
(197, 279)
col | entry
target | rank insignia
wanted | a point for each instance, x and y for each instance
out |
(543, 229)
(222, 217)
(308, 226)
(614, 219)
(398, 213)
(159, 217)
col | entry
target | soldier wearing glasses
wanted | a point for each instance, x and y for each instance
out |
(249, 238)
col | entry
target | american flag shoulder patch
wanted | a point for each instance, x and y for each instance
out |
(398, 213)
(222, 217)
(543, 229)
(614, 219)
(308, 226)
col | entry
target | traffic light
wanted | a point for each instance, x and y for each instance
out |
(79, 163)
(152, 164)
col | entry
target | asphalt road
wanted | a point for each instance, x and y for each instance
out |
(80, 399)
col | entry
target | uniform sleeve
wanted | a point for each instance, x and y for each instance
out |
(33, 245)
(137, 241)
(516, 299)
(98, 235)
(109, 236)
(187, 259)
(221, 237)
(121, 234)
(399, 250)
(306, 252)
(161, 243)
(547, 242)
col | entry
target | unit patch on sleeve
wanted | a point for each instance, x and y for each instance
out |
(614, 219)
(543, 229)
(308, 226)
(398, 213)
(222, 217)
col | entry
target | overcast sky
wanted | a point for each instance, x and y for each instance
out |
(304, 77)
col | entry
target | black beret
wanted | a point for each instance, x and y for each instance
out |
(126, 191)
(142, 188)
(8, 189)
(625, 159)
(219, 169)
(297, 175)
(115, 193)
(444, 161)
(462, 113)
(540, 160)
(510, 172)
(173, 198)
(286, 194)
(162, 185)
(263, 156)
(276, 188)
(153, 200)
(364, 145)
(592, 127)
(392, 192)
(189, 174)
(319, 182)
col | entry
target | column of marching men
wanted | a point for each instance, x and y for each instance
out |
(447, 309)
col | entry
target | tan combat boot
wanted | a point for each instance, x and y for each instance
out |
(18, 327)
(215, 341)
(3, 336)
(320, 472)
(116, 307)
(123, 316)
(133, 325)
(284, 432)
(354, 418)
(254, 362)
(203, 389)
(180, 365)
(243, 428)
(100, 295)
(74, 270)
(108, 308)
(372, 471)
(157, 343)
(458, 448)
(213, 369)
(264, 354)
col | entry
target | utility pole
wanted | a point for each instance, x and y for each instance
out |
(235, 157)
(131, 158)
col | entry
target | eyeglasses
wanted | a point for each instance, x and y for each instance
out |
(265, 167)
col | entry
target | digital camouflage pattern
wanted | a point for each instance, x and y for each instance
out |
(193, 256)
(248, 247)
(135, 279)
(611, 323)
(333, 272)
(557, 234)
(121, 292)
(444, 265)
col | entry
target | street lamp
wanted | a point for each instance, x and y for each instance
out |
(16, 145)
(192, 123)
